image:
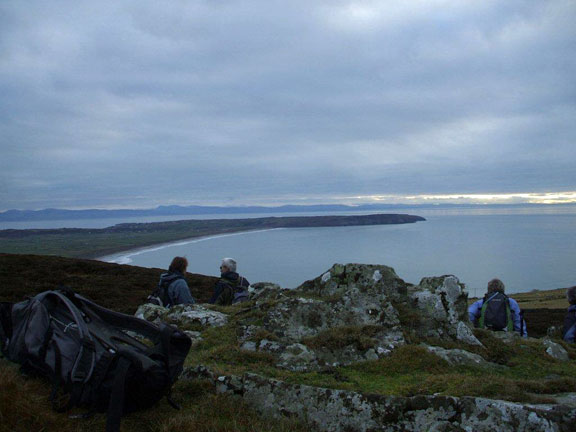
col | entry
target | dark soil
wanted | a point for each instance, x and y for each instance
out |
(119, 287)
(539, 320)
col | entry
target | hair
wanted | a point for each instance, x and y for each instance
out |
(571, 295)
(229, 263)
(496, 285)
(178, 264)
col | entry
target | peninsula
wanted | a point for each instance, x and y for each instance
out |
(90, 243)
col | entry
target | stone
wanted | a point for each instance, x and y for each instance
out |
(460, 357)
(358, 296)
(195, 336)
(329, 410)
(248, 346)
(556, 351)
(185, 317)
(297, 358)
(270, 346)
(151, 312)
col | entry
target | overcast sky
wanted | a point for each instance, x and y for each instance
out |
(138, 103)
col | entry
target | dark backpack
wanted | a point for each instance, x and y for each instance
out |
(160, 295)
(232, 292)
(495, 313)
(99, 359)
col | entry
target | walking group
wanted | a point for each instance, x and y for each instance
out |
(173, 289)
(496, 311)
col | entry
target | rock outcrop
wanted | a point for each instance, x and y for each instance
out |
(185, 317)
(355, 313)
(346, 411)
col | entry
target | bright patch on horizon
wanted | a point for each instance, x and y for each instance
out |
(516, 198)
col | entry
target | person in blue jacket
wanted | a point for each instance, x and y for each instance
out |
(496, 286)
(172, 287)
(569, 330)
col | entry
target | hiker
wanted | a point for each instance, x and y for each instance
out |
(231, 288)
(496, 311)
(172, 288)
(569, 330)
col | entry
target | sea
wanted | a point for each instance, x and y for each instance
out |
(528, 248)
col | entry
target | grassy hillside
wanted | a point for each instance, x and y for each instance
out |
(525, 372)
(118, 287)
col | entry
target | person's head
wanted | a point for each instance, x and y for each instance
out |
(496, 285)
(571, 295)
(178, 264)
(228, 264)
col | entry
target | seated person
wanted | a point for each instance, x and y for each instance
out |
(496, 311)
(172, 288)
(569, 330)
(231, 288)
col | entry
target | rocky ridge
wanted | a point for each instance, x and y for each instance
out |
(356, 313)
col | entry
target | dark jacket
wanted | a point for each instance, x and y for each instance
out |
(569, 330)
(176, 289)
(231, 288)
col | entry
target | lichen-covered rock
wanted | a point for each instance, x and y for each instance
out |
(185, 317)
(195, 336)
(351, 298)
(442, 302)
(555, 350)
(347, 411)
(297, 358)
(460, 357)
(261, 291)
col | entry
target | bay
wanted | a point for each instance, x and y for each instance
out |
(527, 248)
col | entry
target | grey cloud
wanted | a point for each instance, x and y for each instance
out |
(119, 102)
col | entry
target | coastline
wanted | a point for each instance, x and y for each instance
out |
(97, 243)
(121, 254)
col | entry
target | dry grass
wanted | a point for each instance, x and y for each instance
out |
(24, 407)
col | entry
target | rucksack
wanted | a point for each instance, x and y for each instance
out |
(233, 292)
(160, 295)
(97, 358)
(495, 313)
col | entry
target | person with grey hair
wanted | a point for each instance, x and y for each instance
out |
(569, 330)
(231, 288)
(496, 311)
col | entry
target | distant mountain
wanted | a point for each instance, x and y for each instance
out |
(176, 210)
(173, 210)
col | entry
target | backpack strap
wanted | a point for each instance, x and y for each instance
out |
(116, 404)
(509, 320)
(86, 358)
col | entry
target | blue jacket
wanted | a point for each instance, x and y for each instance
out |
(569, 330)
(475, 309)
(178, 291)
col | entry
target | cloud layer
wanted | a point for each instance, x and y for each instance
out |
(138, 103)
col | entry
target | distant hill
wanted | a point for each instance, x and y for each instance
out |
(175, 210)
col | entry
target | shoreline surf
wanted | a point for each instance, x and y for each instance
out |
(124, 257)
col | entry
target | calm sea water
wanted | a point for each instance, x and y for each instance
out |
(526, 248)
